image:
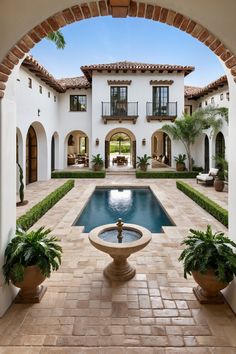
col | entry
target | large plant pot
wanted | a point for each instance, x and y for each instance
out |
(180, 166)
(209, 287)
(30, 289)
(219, 185)
(143, 168)
(97, 167)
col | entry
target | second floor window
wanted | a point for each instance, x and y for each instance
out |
(221, 96)
(119, 97)
(227, 95)
(160, 98)
(78, 103)
(40, 89)
(29, 82)
(212, 100)
(49, 94)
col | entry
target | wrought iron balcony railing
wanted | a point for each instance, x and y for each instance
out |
(166, 111)
(119, 111)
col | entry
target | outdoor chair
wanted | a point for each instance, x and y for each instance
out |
(207, 178)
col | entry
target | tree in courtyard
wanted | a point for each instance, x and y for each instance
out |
(187, 128)
(57, 38)
(120, 137)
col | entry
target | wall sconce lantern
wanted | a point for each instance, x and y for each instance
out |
(97, 142)
(38, 112)
(144, 141)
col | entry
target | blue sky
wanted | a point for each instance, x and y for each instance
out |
(105, 40)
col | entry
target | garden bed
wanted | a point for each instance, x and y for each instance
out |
(166, 174)
(79, 174)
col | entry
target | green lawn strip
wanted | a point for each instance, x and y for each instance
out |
(38, 210)
(165, 174)
(209, 205)
(79, 174)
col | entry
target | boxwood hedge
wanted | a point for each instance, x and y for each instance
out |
(78, 174)
(166, 174)
(37, 211)
(209, 205)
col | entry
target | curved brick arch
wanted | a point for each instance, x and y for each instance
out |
(102, 8)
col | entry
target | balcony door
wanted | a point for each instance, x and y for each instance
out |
(160, 99)
(119, 97)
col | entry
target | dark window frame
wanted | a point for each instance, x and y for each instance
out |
(40, 89)
(30, 83)
(159, 100)
(78, 104)
(221, 96)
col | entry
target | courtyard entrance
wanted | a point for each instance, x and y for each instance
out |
(120, 149)
(161, 150)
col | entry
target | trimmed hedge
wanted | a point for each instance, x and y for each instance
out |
(37, 211)
(209, 205)
(79, 174)
(166, 174)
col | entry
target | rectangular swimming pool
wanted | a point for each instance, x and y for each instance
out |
(134, 205)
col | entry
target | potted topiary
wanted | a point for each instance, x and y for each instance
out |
(222, 166)
(210, 258)
(22, 187)
(97, 162)
(29, 259)
(180, 164)
(143, 162)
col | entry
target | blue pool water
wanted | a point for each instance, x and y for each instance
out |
(134, 205)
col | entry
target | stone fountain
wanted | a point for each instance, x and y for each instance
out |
(120, 241)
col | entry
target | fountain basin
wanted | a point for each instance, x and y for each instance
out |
(119, 269)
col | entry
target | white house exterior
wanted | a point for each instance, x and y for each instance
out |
(81, 110)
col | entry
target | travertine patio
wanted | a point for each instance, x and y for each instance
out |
(156, 312)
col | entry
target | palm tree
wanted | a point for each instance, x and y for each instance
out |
(120, 137)
(57, 38)
(189, 127)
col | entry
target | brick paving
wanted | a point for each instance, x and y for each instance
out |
(154, 313)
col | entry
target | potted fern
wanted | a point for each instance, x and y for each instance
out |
(210, 258)
(30, 258)
(143, 162)
(180, 164)
(97, 162)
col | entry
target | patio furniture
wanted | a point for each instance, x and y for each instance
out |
(207, 178)
(71, 159)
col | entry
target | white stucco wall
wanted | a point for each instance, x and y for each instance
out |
(139, 91)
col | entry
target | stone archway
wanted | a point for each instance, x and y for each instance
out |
(132, 139)
(116, 9)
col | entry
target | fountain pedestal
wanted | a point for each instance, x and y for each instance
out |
(119, 269)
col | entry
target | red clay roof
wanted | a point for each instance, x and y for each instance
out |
(74, 82)
(133, 66)
(195, 92)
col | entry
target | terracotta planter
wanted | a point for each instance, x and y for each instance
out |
(143, 168)
(30, 289)
(209, 287)
(219, 185)
(97, 167)
(180, 166)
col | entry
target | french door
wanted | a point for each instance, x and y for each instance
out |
(160, 100)
(119, 100)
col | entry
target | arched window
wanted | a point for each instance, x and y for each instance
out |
(220, 145)
(31, 156)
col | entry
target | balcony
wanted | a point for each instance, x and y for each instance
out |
(161, 113)
(119, 111)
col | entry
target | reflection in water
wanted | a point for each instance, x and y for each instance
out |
(120, 200)
(128, 236)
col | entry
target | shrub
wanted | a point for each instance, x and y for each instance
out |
(198, 169)
(209, 205)
(166, 174)
(37, 211)
(79, 174)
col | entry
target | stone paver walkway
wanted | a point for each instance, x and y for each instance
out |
(154, 313)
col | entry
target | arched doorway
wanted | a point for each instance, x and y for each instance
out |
(77, 149)
(31, 156)
(220, 145)
(206, 154)
(53, 153)
(161, 149)
(120, 148)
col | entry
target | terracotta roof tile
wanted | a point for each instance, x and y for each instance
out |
(31, 64)
(195, 92)
(128, 65)
(74, 82)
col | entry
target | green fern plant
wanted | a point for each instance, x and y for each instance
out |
(208, 250)
(28, 249)
(143, 162)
